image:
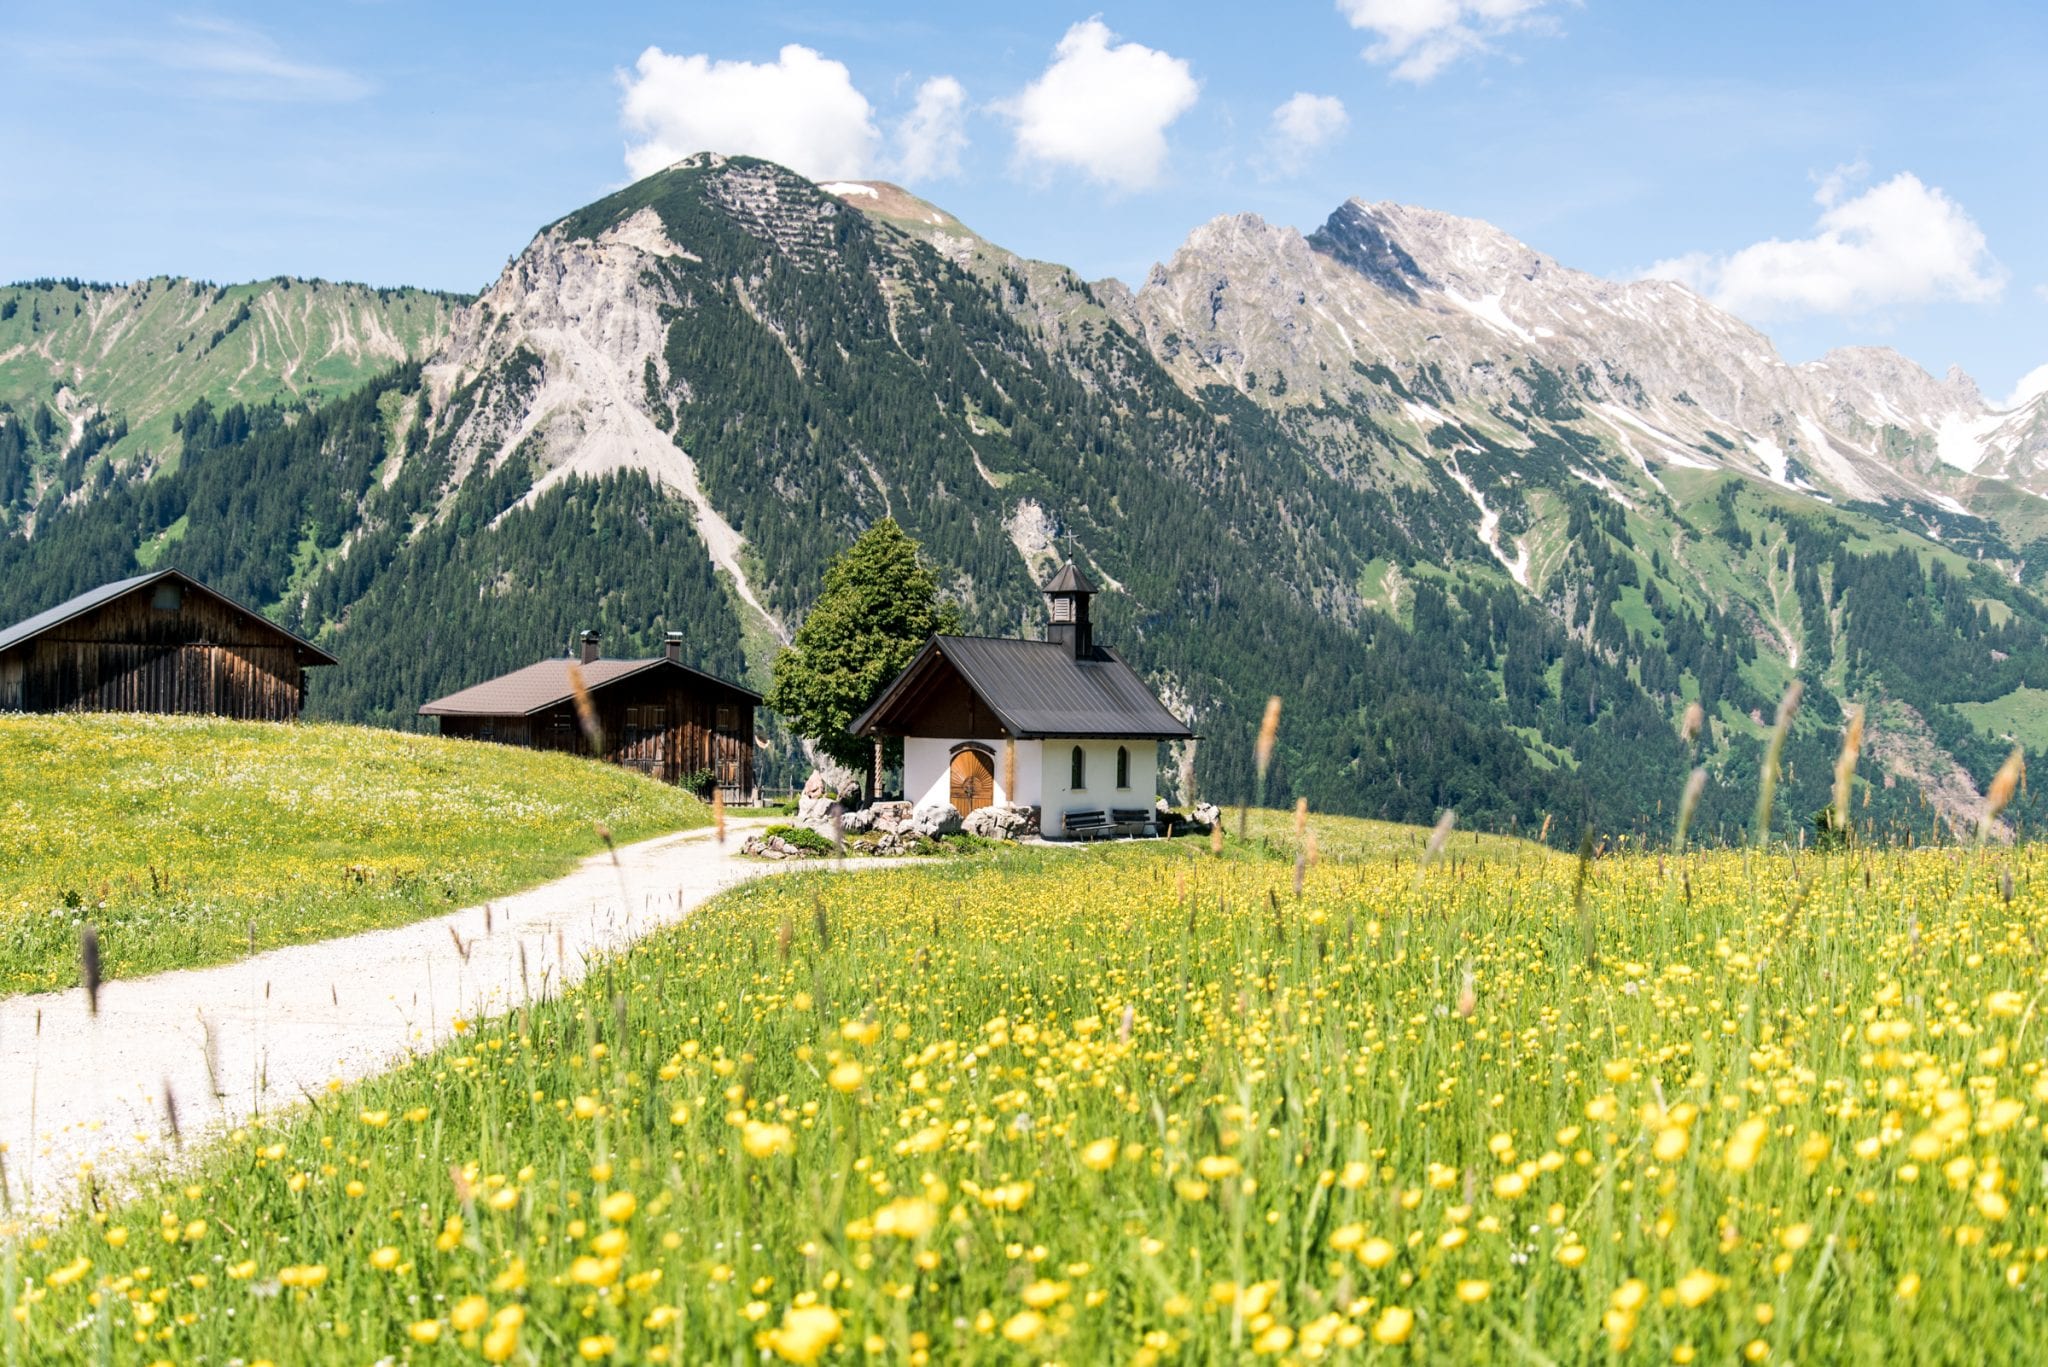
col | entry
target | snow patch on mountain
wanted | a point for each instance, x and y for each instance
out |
(1488, 310)
(1517, 566)
(1959, 441)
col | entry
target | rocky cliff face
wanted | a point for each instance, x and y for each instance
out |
(1481, 329)
(561, 361)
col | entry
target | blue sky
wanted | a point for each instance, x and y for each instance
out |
(1893, 153)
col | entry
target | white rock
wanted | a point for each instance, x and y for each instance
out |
(934, 821)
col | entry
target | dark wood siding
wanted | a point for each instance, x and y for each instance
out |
(659, 723)
(152, 651)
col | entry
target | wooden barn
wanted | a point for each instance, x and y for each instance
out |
(161, 642)
(659, 716)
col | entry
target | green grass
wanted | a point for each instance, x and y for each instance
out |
(2021, 714)
(180, 838)
(1351, 839)
(1138, 1103)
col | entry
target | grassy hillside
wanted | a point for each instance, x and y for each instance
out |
(1143, 1104)
(176, 836)
(145, 352)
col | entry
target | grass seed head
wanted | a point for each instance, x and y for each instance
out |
(1845, 768)
(89, 966)
(2003, 785)
(1269, 732)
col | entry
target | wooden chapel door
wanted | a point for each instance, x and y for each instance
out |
(973, 781)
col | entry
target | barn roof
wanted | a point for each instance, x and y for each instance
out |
(1036, 689)
(70, 608)
(540, 686)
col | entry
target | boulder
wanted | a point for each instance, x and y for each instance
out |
(1005, 821)
(853, 823)
(893, 818)
(934, 821)
(814, 786)
(816, 812)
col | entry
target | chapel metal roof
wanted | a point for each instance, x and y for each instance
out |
(71, 608)
(1037, 690)
(1069, 580)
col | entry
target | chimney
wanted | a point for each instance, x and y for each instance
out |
(672, 647)
(590, 650)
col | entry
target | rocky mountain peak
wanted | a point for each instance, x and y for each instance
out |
(1449, 251)
(1358, 237)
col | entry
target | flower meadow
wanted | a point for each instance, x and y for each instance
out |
(1164, 1103)
(189, 840)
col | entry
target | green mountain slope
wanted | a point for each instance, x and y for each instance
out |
(679, 402)
(97, 373)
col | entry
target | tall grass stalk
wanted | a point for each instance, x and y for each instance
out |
(1774, 750)
(1845, 770)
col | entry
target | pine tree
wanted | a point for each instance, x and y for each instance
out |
(879, 606)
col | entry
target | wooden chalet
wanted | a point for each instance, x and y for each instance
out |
(159, 642)
(1062, 725)
(659, 716)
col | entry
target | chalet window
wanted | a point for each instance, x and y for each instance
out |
(1063, 609)
(1080, 774)
(167, 598)
(487, 730)
(1123, 767)
(728, 718)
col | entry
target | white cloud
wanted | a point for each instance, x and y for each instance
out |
(1102, 108)
(1902, 242)
(801, 110)
(1301, 125)
(1419, 38)
(2032, 386)
(930, 139)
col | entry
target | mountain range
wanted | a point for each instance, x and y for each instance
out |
(1486, 523)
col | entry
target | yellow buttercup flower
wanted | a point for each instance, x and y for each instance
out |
(1023, 1326)
(1697, 1288)
(1745, 1145)
(805, 1333)
(765, 1141)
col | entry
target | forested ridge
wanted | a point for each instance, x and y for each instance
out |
(285, 510)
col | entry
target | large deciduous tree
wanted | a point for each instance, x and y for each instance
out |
(880, 604)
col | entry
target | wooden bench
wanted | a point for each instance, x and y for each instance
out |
(1086, 823)
(1130, 820)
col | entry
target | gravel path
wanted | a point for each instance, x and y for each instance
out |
(81, 1094)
